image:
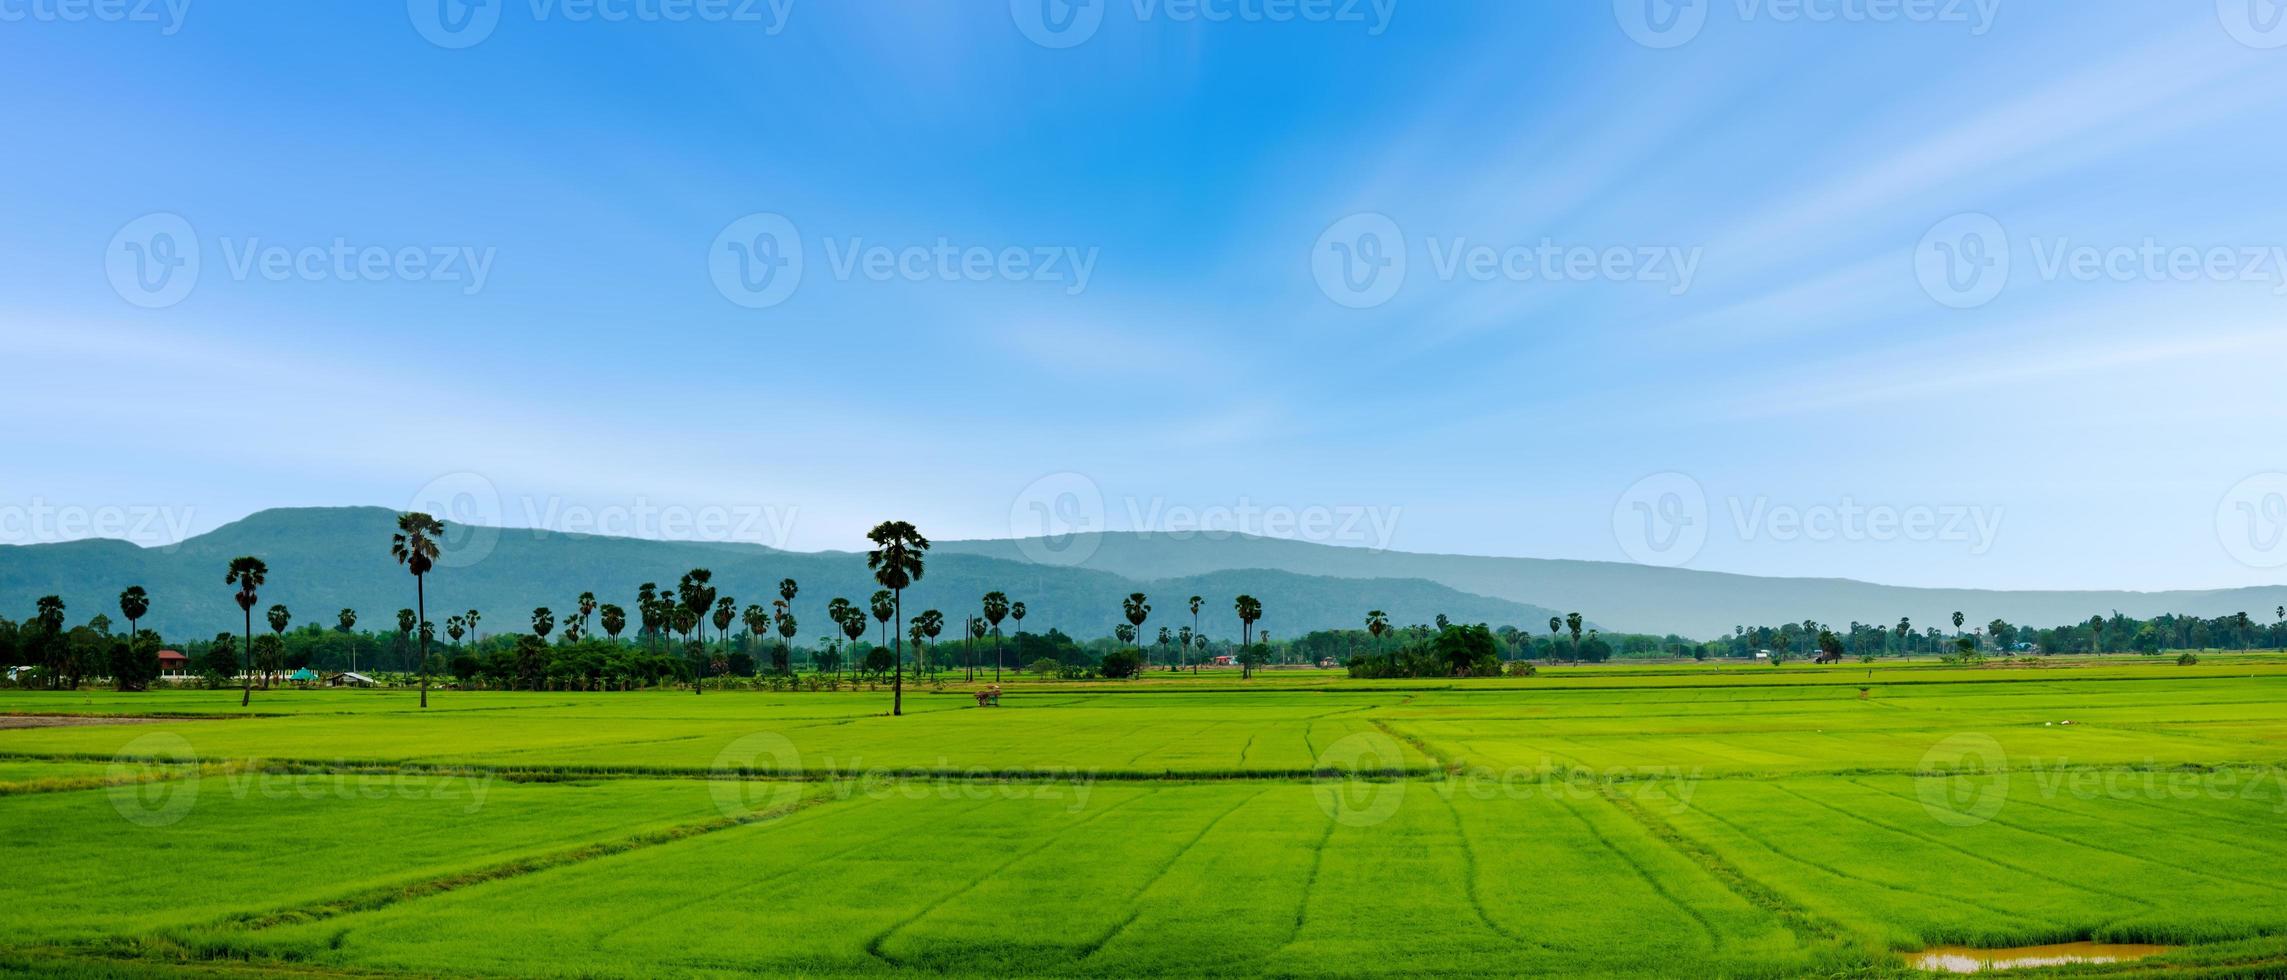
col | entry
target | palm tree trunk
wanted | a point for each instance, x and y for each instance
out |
(421, 612)
(897, 651)
(246, 681)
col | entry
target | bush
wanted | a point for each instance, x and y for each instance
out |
(2187, 659)
(1519, 668)
(1121, 663)
(1045, 667)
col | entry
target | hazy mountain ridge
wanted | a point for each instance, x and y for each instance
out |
(324, 559)
(1639, 598)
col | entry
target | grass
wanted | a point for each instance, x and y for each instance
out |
(1734, 821)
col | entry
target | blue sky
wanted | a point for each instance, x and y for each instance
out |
(1657, 287)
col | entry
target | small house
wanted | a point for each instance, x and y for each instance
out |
(348, 679)
(172, 663)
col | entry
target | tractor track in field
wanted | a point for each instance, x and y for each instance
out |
(1091, 948)
(1965, 852)
(384, 896)
(2099, 848)
(1714, 937)
(874, 945)
(1475, 878)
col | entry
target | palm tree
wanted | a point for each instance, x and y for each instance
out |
(543, 622)
(1164, 636)
(1016, 612)
(587, 606)
(996, 609)
(345, 621)
(614, 620)
(697, 598)
(1249, 610)
(1958, 619)
(931, 623)
(248, 573)
(853, 624)
(415, 547)
(279, 618)
(1195, 602)
(726, 613)
(1183, 638)
(896, 561)
(786, 630)
(883, 605)
(1136, 608)
(133, 604)
(456, 627)
(757, 622)
(472, 617)
(1572, 625)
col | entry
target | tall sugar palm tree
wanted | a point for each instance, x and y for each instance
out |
(1195, 602)
(996, 609)
(931, 623)
(1572, 625)
(1016, 612)
(587, 607)
(1377, 623)
(1249, 609)
(472, 618)
(698, 597)
(543, 622)
(134, 603)
(415, 547)
(1137, 608)
(279, 618)
(787, 627)
(896, 561)
(853, 624)
(1164, 636)
(456, 628)
(248, 573)
(757, 622)
(883, 605)
(1183, 640)
(613, 618)
(726, 613)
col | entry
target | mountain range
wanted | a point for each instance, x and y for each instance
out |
(325, 559)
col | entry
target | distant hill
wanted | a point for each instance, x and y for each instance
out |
(1634, 598)
(324, 559)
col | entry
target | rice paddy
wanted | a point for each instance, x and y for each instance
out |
(1624, 822)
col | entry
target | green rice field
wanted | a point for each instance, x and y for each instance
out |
(1642, 821)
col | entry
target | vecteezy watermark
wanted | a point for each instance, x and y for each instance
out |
(1965, 261)
(758, 261)
(37, 521)
(476, 515)
(1354, 779)
(1663, 519)
(157, 780)
(2251, 521)
(1963, 780)
(1674, 23)
(764, 773)
(1070, 23)
(459, 24)
(1361, 260)
(169, 15)
(1058, 520)
(2259, 24)
(1966, 780)
(156, 260)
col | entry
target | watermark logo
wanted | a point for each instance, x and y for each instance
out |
(756, 261)
(153, 261)
(1661, 23)
(1963, 261)
(1674, 23)
(1057, 23)
(2259, 24)
(1058, 519)
(37, 521)
(455, 24)
(2251, 521)
(1360, 261)
(168, 14)
(154, 780)
(1661, 520)
(1963, 781)
(470, 506)
(1355, 782)
(731, 779)
(460, 24)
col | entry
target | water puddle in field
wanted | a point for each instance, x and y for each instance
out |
(1963, 959)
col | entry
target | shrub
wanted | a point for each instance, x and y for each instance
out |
(2187, 659)
(1045, 667)
(1519, 668)
(1121, 663)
